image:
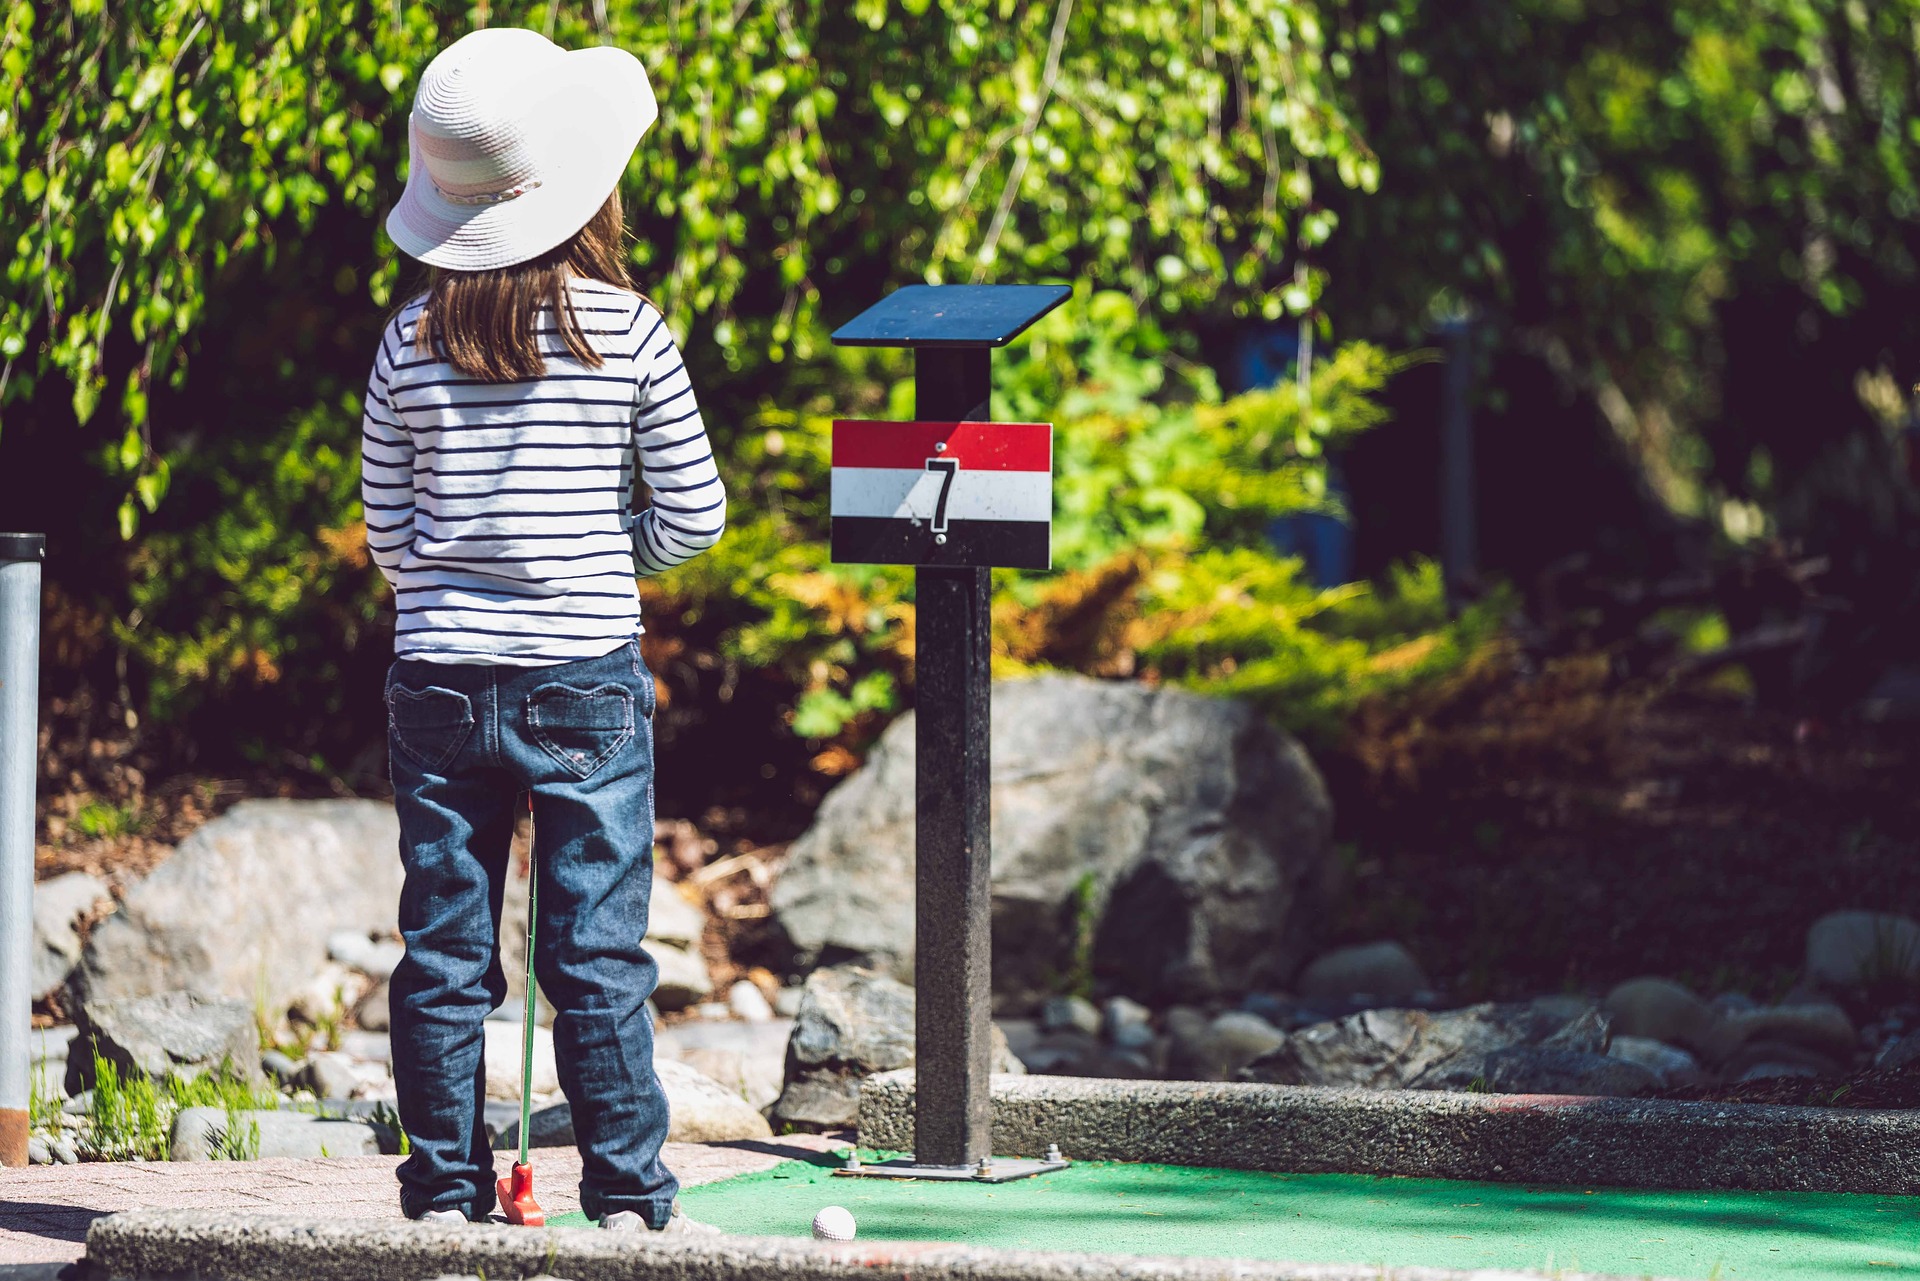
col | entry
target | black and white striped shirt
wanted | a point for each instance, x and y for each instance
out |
(502, 512)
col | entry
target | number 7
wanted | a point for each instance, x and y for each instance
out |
(951, 466)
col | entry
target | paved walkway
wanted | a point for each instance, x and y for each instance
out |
(45, 1209)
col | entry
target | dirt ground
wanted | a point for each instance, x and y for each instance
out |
(1567, 833)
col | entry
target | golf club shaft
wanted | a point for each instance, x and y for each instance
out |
(526, 1032)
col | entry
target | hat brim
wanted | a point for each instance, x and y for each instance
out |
(596, 107)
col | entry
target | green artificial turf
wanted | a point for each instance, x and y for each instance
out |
(1099, 1207)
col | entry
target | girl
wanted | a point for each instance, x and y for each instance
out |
(513, 409)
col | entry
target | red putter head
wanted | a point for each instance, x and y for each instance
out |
(516, 1198)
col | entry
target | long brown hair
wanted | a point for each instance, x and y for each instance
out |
(482, 322)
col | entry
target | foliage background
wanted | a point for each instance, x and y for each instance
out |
(1685, 230)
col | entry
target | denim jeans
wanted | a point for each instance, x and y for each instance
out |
(465, 741)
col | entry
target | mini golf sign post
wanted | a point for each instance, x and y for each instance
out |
(952, 494)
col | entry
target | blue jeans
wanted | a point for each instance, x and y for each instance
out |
(464, 742)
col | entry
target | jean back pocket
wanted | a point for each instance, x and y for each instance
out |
(430, 725)
(581, 729)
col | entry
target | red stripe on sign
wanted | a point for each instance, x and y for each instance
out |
(978, 446)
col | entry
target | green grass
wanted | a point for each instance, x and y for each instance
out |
(102, 820)
(131, 1117)
(1352, 1219)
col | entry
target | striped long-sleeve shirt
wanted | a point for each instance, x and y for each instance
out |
(502, 513)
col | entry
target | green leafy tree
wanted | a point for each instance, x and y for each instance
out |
(205, 179)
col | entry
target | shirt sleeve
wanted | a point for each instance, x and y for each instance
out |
(673, 456)
(386, 464)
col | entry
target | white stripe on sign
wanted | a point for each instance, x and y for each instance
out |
(913, 495)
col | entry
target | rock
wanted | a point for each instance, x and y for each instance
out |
(367, 1047)
(326, 996)
(377, 959)
(746, 1058)
(503, 1054)
(1661, 1010)
(1219, 1049)
(852, 1023)
(373, 1011)
(500, 1119)
(1900, 1053)
(702, 1111)
(333, 1075)
(218, 918)
(1415, 1049)
(548, 1127)
(173, 1033)
(684, 979)
(671, 918)
(1118, 1012)
(1129, 1026)
(786, 1002)
(1385, 971)
(1183, 831)
(745, 1001)
(49, 1045)
(1860, 949)
(64, 1150)
(1768, 1070)
(280, 1069)
(201, 1134)
(1669, 1064)
(1817, 1026)
(38, 1153)
(1740, 1064)
(1536, 1069)
(58, 905)
(713, 1011)
(1062, 1012)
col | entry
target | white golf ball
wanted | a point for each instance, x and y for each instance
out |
(833, 1224)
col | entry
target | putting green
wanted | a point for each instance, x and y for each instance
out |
(1098, 1207)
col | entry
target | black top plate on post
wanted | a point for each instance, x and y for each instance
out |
(951, 316)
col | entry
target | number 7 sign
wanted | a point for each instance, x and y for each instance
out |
(927, 493)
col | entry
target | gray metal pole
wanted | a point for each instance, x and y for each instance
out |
(20, 557)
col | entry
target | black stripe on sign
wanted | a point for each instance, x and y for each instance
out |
(884, 540)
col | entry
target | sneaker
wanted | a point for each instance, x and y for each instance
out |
(677, 1223)
(443, 1216)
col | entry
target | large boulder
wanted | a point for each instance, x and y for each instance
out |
(853, 1022)
(244, 907)
(1512, 1047)
(1182, 831)
(176, 1033)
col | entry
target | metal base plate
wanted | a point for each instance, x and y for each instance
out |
(1002, 1170)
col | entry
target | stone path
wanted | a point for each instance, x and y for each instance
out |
(45, 1210)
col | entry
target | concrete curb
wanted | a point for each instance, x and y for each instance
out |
(155, 1244)
(1503, 1138)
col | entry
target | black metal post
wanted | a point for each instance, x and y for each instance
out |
(952, 951)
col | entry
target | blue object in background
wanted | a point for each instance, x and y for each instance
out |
(1266, 356)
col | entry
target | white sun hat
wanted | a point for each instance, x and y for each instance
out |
(514, 144)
